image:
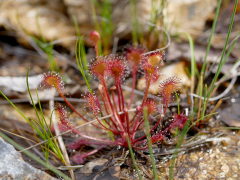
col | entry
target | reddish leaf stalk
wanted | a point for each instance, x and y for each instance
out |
(70, 105)
(80, 159)
(147, 88)
(114, 104)
(121, 93)
(107, 110)
(120, 100)
(134, 74)
(106, 95)
(110, 129)
(104, 102)
(127, 121)
(115, 114)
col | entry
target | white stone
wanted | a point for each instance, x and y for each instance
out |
(225, 168)
(222, 175)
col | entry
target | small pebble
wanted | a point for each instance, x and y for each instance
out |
(212, 155)
(224, 143)
(222, 175)
(202, 176)
(234, 168)
(192, 170)
(225, 168)
(193, 157)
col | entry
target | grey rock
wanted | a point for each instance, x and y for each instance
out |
(12, 165)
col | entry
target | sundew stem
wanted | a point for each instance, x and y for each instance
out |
(119, 99)
(114, 104)
(121, 92)
(134, 72)
(127, 120)
(114, 112)
(147, 88)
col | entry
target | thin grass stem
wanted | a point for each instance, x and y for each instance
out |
(224, 49)
(210, 38)
(133, 158)
(149, 142)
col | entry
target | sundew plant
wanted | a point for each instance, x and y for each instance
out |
(119, 124)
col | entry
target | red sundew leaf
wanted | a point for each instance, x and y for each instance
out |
(167, 87)
(52, 79)
(154, 76)
(150, 64)
(179, 121)
(60, 127)
(133, 54)
(63, 117)
(93, 102)
(99, 69)
(79, 158)
(151, 106)
(157, 138)
(117, 68)
(76, 145)
(154, 59)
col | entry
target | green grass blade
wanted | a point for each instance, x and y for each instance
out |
(85, 62)
(204, 102)
(226, 74)
(193, 60)
(83, 52)
(133, 158)
(76, 25)
(35, 125)
(106, 24)
(150, 143)
(223, 52)
(133, 20)
(230, 49)
(178, 107)
(16, 109)
(79, 62)
(29, 92)
(210, 38)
